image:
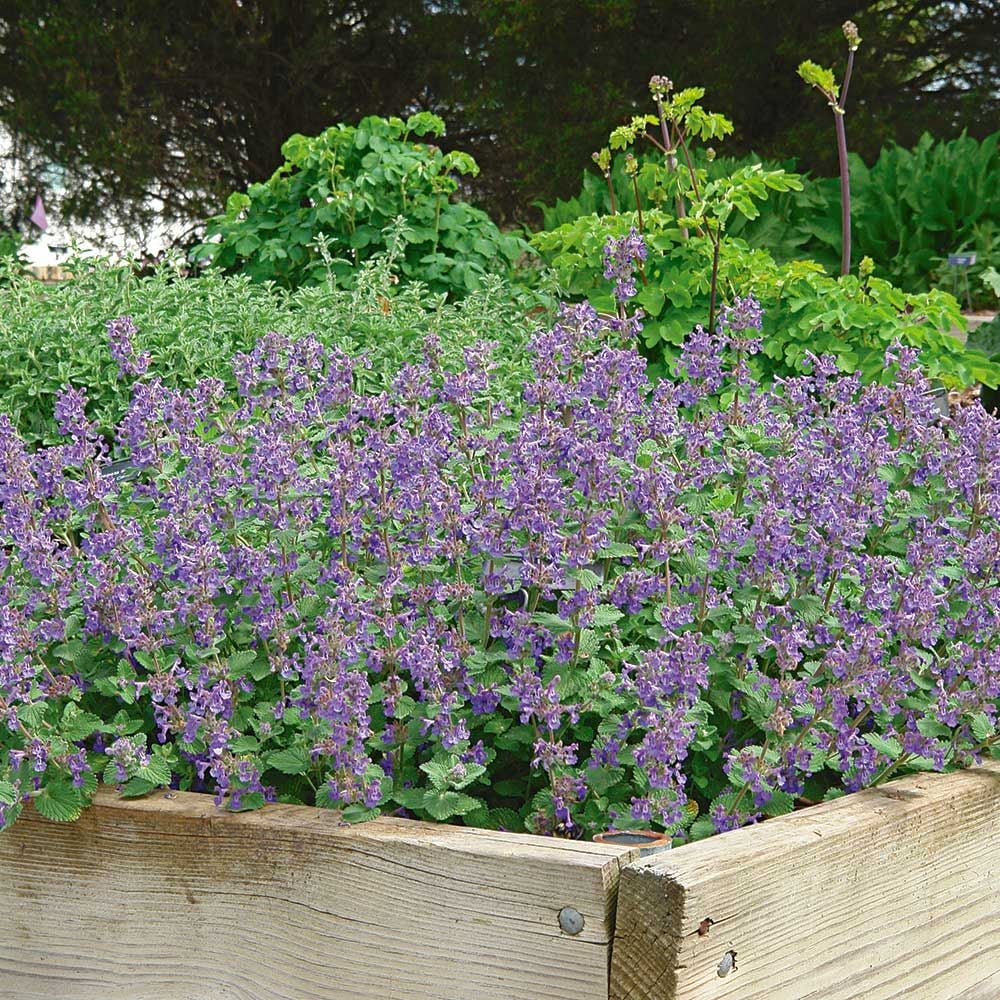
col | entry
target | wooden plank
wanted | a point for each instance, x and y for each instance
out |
(890, 893)
(171, 899)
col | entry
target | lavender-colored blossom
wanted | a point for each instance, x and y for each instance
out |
(378, 592)
(120, 334)
(621, 256)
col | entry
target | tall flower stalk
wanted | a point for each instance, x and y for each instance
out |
(823, 81)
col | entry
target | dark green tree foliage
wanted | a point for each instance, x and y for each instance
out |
(182, 103)
(564, 73)
(185, 102)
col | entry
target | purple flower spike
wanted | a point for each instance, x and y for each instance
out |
(620, 260)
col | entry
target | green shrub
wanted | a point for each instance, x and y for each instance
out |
(910, 209)
(697, 220)
(782, 228)
(337, 192)
(806, 310)
(51, 335)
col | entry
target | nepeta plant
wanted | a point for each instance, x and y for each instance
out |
(604, 602)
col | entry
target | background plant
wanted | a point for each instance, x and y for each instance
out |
(84, 92)
(694, 259)
(823, 81)
(614, 602)
(348, 184)
(910, 209)
(51, 335)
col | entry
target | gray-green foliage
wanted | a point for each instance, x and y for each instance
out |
(52, 335)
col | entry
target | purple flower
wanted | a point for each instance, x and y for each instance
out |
(620, 259)
(120, 334)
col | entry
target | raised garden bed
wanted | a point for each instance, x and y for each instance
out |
(891, 892)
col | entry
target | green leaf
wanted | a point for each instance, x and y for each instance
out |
(409, 798)
(77, 725)
(819, 77)
(600, 779)
(780, 804)
(443, 805)
(701, 828)
(981, 727)
(932, 728)
(587, 578)
(294, 760)
(651, 298)
(157, 771)
(136, 787)
(888, 746)
(606, 615)
(249, 801)
(551, 621)
(438, 772)
(359, 813)
(239, 663)
(618, 550)
(59, 801)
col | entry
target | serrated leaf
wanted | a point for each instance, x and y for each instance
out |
(780, 804)
(137, 787)
(809, 607)
(701, 828)
(409, 798)
(600, 779)
(241, 661)
(437, 772)
(59, 801)
(933, 729)
(981, 727)
(443, 805)
(618, 550)
(888, 746)
(587, 578)
(77, 725)
(606, 615)
(156, 771)
(359, 813)
(249, 801)
(551, 621)
(294, 760)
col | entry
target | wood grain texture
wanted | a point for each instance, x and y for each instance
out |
(172, 899)
(890, 894)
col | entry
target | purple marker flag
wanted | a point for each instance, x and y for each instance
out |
(38, 215)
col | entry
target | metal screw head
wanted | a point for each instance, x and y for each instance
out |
(727, 965)
(571, 921)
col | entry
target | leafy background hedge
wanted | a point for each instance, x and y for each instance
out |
(52, 335)
(909, 209)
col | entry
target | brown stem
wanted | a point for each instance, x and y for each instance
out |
(715, 283)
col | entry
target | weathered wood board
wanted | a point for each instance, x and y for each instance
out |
(890, 893)
(171, 899)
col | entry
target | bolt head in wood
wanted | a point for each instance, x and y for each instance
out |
(571, 921)
(727, 965)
